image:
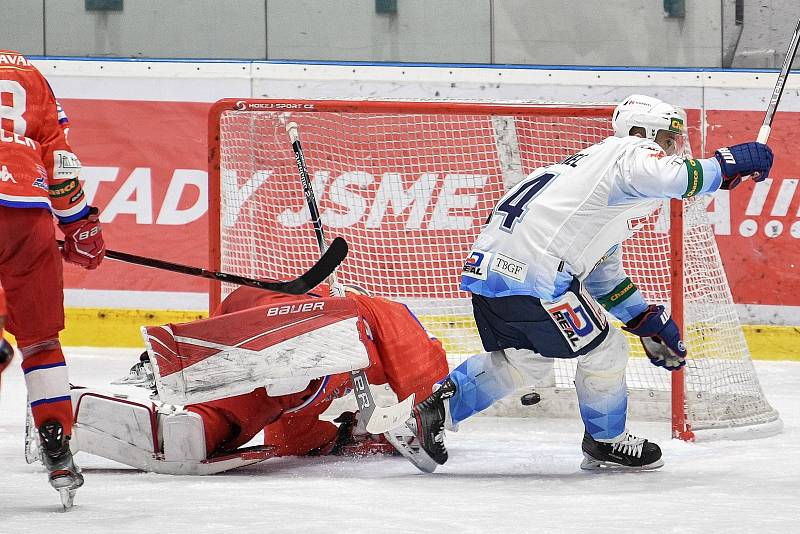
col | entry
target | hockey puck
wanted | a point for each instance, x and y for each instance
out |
(529, 399)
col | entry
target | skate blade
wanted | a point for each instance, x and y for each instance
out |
(415, 455)
(593, 464)
(67, 498)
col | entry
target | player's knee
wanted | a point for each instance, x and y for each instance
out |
(610, 357)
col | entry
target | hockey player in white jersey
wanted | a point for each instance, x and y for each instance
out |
(550, 255)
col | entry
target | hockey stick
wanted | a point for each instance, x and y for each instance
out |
(766, 127)
(320, 271)
(377, 419)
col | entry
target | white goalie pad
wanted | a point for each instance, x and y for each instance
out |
(280, 346)
(137, 433)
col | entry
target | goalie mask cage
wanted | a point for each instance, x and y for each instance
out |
(409, 184)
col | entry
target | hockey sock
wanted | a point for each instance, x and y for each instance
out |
(48, 385)
(481, 380)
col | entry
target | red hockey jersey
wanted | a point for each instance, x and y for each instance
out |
(37, 166)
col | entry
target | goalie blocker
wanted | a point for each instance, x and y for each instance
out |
(294, 410)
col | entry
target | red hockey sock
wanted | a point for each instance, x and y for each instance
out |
(48, 387)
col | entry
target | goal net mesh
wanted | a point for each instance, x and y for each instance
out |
(409, 192)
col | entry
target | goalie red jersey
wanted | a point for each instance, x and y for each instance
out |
(271, 361)
(401, 354)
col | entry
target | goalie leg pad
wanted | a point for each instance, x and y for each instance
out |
(129, 432)
(184, 437)
(115, 428)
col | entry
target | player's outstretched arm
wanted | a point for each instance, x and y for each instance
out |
(738, 162)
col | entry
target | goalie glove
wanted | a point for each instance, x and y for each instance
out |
(740, 161)
(83, 241)
(660, 337)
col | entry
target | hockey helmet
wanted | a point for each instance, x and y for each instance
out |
(653, 116)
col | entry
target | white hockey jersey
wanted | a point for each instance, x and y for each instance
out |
(567, 220)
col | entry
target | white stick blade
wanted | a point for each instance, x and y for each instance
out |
(385, 419)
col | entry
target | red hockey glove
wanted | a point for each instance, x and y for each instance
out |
(83, 241)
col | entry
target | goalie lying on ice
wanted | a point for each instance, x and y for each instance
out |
(257, 338)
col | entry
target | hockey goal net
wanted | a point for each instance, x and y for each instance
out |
(409, 184)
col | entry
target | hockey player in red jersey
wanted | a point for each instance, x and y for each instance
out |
(205, 437)
(39, 180)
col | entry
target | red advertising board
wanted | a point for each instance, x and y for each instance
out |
(145, 167)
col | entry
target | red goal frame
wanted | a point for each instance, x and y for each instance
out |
(680, 426)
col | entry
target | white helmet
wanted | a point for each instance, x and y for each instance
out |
(649, 113)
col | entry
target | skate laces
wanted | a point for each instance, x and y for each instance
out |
(629, 445)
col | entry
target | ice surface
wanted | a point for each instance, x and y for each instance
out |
(512, 475)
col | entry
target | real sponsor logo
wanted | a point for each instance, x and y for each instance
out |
(475, 264)
(573, 322)
(507, 266)
(295, 308)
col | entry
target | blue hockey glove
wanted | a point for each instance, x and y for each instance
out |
(740, 161)
(660, 337)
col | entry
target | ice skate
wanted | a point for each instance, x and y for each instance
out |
(406, 443)
(628, 452)
(140, 375)
(64, 475)
(427, 421)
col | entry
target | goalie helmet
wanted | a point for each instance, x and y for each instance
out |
(649, 113)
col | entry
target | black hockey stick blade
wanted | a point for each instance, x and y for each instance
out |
(325, 266)
(321, 270)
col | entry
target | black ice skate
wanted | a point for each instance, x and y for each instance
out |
(64, 475)
(629, 452)
(427, 422)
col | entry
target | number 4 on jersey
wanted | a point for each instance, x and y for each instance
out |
(515, 205)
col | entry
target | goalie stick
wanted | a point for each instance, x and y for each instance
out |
(317, 274)
(766, 127)
(377, 419)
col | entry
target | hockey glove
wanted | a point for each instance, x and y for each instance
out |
(660, 337)
(83, 241)
(740, 161)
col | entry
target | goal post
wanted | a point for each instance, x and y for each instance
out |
(409, 184)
